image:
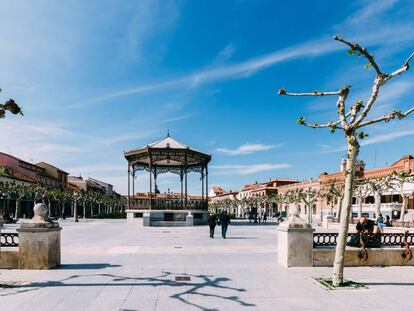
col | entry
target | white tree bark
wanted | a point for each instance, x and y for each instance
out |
(338, 269)
(377, 197)
(350, 122)
(339, 208)
(404, 206)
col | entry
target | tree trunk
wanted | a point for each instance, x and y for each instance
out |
(84, 209)
(377, 196)
(339, 208)
(360, 207)
(309, 213)
(17, 210)
(63, 210)
(404, 207)
(338, 269)
(99, 208)
(75, 211)
(49, 207)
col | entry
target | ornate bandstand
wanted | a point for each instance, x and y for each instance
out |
(167, 155)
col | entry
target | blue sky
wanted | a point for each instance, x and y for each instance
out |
(96, 78)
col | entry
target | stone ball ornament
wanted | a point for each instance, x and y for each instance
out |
(40, 213)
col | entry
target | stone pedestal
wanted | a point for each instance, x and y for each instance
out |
(39, 245)
(146, 219)
(189, 219)
(39, 241)
(295, 242)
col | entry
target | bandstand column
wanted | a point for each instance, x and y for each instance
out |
(133, 183)
(207, 184)
(155, 179)
(202, 183)
(150, 172)
(185, 176)
(129, 173)
(181, 179)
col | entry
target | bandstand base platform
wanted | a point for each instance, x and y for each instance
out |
(166, 218)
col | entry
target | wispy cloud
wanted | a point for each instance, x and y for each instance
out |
(386, 137)
(227, 52)
(247, 149)
(150, 18)
(372, 140)
(232, 71)
(247, 169)
(370, 10)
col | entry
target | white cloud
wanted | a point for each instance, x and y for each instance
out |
(227, 52)
(247, 169)
(377, 139)
(150, 19)
(372, 9)
(234, 71)
(372, 139)
(247, 149)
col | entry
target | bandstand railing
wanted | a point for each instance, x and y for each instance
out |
(168, 204)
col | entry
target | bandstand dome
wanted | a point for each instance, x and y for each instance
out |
(168, 154)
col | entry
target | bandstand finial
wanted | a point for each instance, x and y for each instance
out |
(168, 132)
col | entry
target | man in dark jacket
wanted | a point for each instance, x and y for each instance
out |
(212, 221)
(224, 222)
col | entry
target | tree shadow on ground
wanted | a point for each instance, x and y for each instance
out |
(246, 223)
(87, 266)
(241, 238)
(388, 283)
(185, 289)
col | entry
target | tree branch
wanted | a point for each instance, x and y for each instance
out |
(363, 51)
(405, 66)
(388, 117)
(340, 104)
(370, 103)
(282, 91)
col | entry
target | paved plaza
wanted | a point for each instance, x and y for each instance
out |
(108, 265)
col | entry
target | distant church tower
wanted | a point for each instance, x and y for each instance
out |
(359, 165)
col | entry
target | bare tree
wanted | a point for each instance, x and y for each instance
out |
(377, 187)
(397, 183)
(361, 191)
(351, 122)
(336, 191)
(309, 196)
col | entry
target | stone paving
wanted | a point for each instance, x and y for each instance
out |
(109, 265)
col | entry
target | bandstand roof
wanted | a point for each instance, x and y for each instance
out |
(168, 153)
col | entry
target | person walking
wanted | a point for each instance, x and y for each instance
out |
(212, 222)
(224, 223)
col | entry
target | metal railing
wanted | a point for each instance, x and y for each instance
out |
(167, 204)
(328, 239)
(9, 239)
(404, 224)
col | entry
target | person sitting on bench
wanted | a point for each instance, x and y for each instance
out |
(365, 225)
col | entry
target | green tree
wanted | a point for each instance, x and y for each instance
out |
(9, 106)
